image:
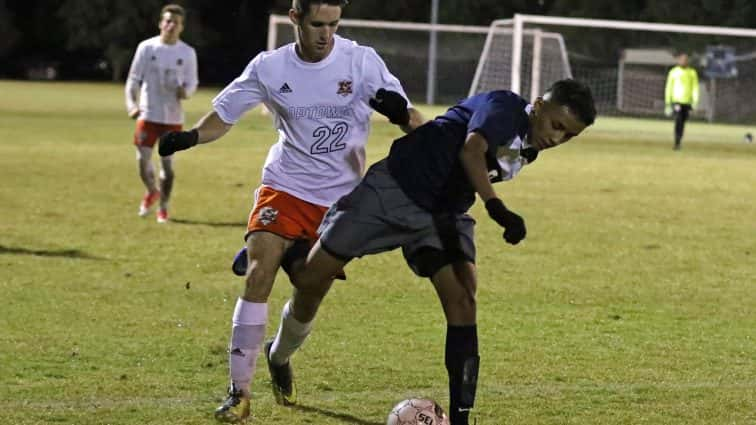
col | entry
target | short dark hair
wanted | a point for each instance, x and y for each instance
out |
(303, 6)
(576, 96)
(174, 9)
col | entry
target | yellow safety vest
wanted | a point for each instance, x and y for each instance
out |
(682, 86)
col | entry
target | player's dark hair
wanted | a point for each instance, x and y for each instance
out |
(576, 96)
(303, 6)
(173, 9)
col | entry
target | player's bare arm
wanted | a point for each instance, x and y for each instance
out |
(211, 127)
(416, 119)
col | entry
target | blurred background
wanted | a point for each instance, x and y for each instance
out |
(629, 303)
(94, 40)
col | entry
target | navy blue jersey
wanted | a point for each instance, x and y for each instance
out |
(426, 162)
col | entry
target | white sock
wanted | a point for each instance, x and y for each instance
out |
(247, 334)
(290, 336)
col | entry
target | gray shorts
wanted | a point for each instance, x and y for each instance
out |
(377, 216)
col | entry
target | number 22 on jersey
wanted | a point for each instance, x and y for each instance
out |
(329, 139)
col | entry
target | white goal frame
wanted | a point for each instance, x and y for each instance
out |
(499, 27)
(520, 20)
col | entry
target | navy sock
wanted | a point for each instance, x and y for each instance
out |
(462, 365)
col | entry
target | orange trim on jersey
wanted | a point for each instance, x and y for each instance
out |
(284, 215)
(147, 133)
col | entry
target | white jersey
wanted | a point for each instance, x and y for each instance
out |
(160, 69)
(321, 112)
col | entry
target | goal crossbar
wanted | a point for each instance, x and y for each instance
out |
(503, 26)
(519, 21)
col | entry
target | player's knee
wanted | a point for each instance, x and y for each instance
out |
(258, 283)
(311, 286)
(143, 154)
(460, 308)
(464, 304)
(145, 165)
(166, 174)
(313, 283)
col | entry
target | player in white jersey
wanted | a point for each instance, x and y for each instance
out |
(320, 91)
(162, 74)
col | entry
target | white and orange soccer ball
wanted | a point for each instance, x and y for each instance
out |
(417, 411)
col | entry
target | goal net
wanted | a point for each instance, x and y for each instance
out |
(625, 63)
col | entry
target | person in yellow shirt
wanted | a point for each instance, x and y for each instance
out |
(681, 94)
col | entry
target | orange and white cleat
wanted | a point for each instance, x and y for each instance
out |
(148, 201)
(162, 216)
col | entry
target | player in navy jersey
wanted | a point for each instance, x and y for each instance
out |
(417, 199)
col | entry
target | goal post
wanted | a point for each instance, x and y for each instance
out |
(546, 59)
(527, 53)
(723, 97)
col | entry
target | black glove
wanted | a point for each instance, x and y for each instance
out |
(391, 104)
(530, 154)
(175, 141)
(513, 224)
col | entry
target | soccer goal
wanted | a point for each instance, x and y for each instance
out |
(625, 63)
(544, 59)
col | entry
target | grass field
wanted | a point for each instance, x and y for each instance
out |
(633, 300)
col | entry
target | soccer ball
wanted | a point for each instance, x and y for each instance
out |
(417, 411)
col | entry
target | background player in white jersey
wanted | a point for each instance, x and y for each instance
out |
(320, 91)
(162, 74)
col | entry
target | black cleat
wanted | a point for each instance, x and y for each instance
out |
(281, 380)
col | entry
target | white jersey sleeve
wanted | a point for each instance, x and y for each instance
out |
(376, 76)
(190, 77)
(243, 94)
(134, 80)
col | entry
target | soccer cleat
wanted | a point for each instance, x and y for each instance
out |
(239, 266)
(162, 216)
(148, 201)
(281, 380)
(235, 409)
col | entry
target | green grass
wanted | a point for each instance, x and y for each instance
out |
(631, 302)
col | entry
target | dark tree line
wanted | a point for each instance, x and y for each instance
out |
(96, 38)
